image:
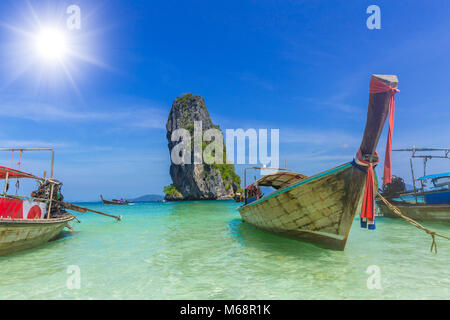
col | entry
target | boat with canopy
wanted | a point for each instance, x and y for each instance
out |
(425, 203)
(320, 209)
(115, 201)
(30, 221)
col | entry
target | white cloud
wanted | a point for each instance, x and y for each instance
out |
(6, 143)
(141, 116)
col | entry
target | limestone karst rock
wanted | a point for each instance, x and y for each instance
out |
(197, 181)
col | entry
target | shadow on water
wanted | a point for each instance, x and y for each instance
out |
(250, 236)
(65, 234)
(56, 241)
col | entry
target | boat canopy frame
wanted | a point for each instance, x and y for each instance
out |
(280, 180)
(14, 173)
(445, 155)
(258, 168)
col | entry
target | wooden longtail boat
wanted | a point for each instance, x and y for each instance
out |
(115, 201)
(27, 222)
(320, 209)
(422, 204)
(417, 211)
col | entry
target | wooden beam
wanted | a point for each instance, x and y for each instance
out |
(376, 116)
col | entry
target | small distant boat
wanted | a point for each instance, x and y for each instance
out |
(116, 201)
(423, 204)
(320, 209)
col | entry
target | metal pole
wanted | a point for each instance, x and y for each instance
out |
(34, 149)
(53, 161)
(245, 186)
(6, 183)
(424, 173)
(51, 199)
(413, 179)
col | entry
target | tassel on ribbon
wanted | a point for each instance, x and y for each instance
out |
(368, 205)
(363, 222)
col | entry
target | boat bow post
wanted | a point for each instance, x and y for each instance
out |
(381, 104)
(377, 113)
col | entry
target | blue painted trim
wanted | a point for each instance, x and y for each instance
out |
(437, 197)
(438, 175)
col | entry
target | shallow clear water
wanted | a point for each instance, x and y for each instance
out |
(202, 250)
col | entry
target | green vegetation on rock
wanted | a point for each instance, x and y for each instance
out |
(172, 191)
(184, 99)
(227, 172)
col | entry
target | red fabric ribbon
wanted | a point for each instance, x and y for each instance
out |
(368, 205)
(377, 86)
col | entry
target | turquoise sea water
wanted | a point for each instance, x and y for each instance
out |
(202, 250)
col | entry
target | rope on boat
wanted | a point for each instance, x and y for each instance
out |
(432, 233)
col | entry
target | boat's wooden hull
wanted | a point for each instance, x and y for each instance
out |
(320, 209)
(417, 211)
(116, 203)
(19, 234)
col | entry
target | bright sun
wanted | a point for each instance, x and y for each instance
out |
(51, 44)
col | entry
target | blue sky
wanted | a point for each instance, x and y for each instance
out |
(299, 66)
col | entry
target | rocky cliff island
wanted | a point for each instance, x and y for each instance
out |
(193, 180)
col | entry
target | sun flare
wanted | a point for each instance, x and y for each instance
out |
(51, 44)
(50, 50)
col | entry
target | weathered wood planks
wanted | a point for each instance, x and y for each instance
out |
(320, 209)
(18, 234)
(419, 211)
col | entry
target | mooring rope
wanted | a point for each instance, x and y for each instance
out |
(432, 233)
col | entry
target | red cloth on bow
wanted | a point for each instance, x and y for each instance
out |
(377, 86)
(368, 205)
